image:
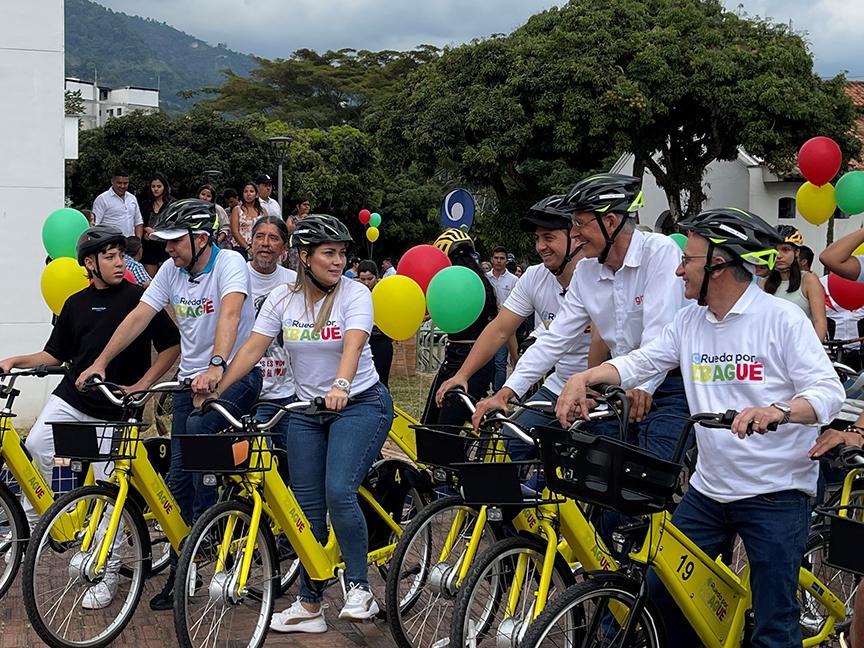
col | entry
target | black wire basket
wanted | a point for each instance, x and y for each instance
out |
(606, 472)
(503, 483)
(450, 446)
(846, 537)
(108, 441)
(223, 454)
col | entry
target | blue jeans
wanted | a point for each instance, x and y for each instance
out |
(773, 529)
(279, 433)
(519, 450)
(500, 375)
(659, 431)
(328, 458)
(189, 492)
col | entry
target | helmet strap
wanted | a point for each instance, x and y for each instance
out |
(709, 268)
(97, 272)
(318, 284)
(196, 254)
(610, 239)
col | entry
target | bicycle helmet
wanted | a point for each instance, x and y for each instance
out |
(95, 239)
(187, 217)
(453, 240)
(748, 238)
(606, 193)
(314, 230)
(790, 235)
(548, 214)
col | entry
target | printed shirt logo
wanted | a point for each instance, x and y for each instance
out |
(726, 368)
(297, 331)
(273, 367)
(191, 308)
(638, 299)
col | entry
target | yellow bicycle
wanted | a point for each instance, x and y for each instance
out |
(90, 553)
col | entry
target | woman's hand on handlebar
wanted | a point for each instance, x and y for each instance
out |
(335, 399)
(833, 438)
(451, 383)
(760, 417)
(498, 401)
(95, 369)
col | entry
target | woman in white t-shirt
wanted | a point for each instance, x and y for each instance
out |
(325, 320)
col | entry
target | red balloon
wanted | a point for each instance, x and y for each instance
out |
(128, 276)
(364, 216)
(421, 263)
(845, 293)
(819, 160)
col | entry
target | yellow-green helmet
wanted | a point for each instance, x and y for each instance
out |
(743, 234)
(452, 240)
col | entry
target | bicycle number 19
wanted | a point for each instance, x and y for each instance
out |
(685, 567)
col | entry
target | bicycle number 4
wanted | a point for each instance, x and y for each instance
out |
(685, 567)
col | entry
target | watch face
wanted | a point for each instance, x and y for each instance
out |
(217, 361)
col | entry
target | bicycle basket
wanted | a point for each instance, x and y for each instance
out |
(444, 446)
(108, 441)
(503, 483)
(606, 471)
(846, 526)
(223, 454)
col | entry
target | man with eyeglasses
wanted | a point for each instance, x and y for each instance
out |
(630, 293)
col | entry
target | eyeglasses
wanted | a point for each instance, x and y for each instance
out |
(578, 226)
(685, 259)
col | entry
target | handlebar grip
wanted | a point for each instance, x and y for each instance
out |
(49, 370)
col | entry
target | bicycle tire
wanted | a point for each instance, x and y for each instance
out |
(509, 629)
(14, 535)
(266, 559)
(440, 595)
(135, 569)
(566, 608)
(843, 585)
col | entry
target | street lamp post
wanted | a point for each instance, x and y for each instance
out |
(280, 145)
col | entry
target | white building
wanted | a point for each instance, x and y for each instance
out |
(102, 103)
(747, 184)
(31, 177)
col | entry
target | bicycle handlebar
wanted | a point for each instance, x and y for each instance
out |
(492, 416)
(129, 400)
(312, 407)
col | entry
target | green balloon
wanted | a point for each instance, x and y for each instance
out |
(374, 219)
(455, 297)
(680, 239)
(61, 230)
(849, 192)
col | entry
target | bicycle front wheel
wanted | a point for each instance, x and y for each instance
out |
(592, 615)
(14, 534)
(212, 607)
(70, 602)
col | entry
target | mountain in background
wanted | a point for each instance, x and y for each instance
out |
(128, 50)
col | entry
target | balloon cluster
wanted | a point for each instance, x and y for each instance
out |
(372, 220)
(819, 160)
(453, 295)
(63, 276)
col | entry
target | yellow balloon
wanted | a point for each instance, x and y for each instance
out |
(60, 279)
(372, 235)
(815, 204)
(400, 306)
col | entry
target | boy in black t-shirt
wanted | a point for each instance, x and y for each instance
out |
(86, 323)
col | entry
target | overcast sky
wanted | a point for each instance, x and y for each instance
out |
(274, 28)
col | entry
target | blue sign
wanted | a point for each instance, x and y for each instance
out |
(457, 210)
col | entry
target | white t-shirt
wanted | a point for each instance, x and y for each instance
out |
(315, 357)
(764, 351)
(539, 292)
(271, 206)
(503, 285)
(197, 305)
(274, 365)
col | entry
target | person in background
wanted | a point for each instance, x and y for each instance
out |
(157, 198)
(381, 345)
(88, 214)
(353, 271)
(243, 217)
(116, 207)
(230, 200)
(805, 258)
(265, 188)
(301, 210)
(208, 192)
(519, 271)
(133, 261)
(387, 267)
(503, 281)
(786, 281)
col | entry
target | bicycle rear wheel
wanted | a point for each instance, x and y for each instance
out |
(67, 603)
(210, 608)
(14, 534)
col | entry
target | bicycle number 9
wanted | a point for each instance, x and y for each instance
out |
(685, 567)
(163, 450)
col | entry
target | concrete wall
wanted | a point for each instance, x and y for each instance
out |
(31, 176)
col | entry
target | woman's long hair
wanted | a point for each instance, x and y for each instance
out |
(463, 256)
(772, 283)
(167, 198)
(257, 202)
(304, 285)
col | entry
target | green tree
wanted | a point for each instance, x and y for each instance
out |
(73, 102)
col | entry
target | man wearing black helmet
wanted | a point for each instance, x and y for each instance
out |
(738, 347)
(86, 323)
(210, 291)
(629, 294)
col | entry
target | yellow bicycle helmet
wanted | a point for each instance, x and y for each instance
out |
(452, 240)
(790, 235)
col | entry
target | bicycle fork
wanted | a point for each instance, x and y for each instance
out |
(233, 588)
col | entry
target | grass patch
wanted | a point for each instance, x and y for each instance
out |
(409, 392)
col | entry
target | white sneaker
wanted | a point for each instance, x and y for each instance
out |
(360, 605)
(298, 619)
(102, 593)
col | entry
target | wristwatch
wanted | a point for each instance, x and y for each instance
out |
(342, 385)
(784, 407)
(217, 361)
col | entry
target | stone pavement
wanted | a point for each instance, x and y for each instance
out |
(156, 629)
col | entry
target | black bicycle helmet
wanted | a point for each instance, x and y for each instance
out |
(453, 240)
(95, 239)
(791, 235)
(606, 193)
(748, 238)
(548, 214)
(187, 217)
(319, 228)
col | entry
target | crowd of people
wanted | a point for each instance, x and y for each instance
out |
(255, 305)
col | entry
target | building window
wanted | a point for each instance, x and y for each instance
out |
(119, 111)
(786, 208)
